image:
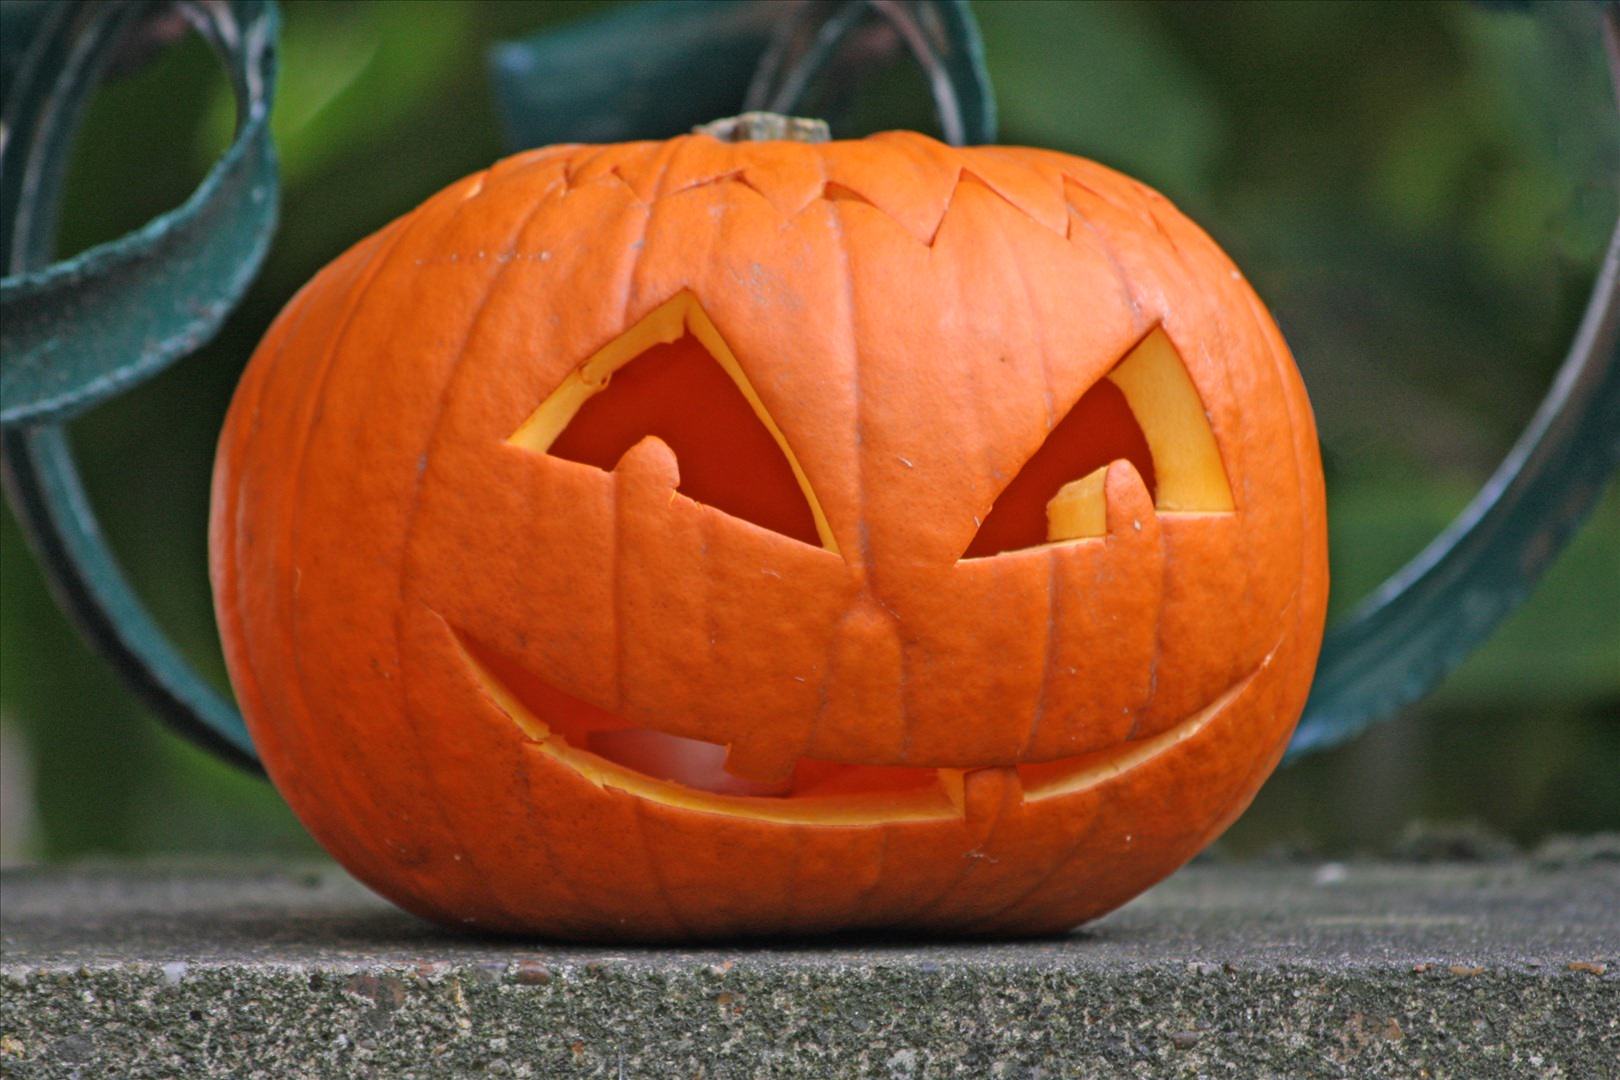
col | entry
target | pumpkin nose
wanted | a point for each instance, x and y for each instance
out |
(862, 713)
(865, 714)
(1055, 641)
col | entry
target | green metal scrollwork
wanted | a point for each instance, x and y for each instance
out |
(75, 333)
(941, 36)
(649, 71)
(630, 73)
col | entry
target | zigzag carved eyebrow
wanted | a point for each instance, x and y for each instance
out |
(831, 191)
(577, 168)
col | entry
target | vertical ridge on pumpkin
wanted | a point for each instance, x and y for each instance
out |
(465, 864)
(862, 708)
(262, 535)
(850, 367)
(1048, 655)
(1100, 239)
(1311, 607)
(654, 857)
(986, 794)
(355, 796)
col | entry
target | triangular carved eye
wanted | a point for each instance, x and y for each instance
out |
(1146, 411)
(673, 376)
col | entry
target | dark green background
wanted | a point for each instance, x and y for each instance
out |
(1421, 191)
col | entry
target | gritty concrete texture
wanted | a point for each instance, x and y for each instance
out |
(1502, 967)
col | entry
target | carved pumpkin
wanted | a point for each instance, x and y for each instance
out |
(685, 539)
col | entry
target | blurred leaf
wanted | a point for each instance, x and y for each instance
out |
(352, 74)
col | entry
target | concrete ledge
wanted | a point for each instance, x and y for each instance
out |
(1505, 968)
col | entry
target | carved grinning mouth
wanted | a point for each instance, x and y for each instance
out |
(691, 774)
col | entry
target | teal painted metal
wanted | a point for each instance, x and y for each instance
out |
(941, 35)
(80, 331)
(74, 333)
(653, 70)
(647, 71)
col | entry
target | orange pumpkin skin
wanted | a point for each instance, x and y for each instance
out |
(1016, 743)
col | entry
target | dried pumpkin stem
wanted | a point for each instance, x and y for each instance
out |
(766, 127)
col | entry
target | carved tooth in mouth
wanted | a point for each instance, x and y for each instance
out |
(691, 773)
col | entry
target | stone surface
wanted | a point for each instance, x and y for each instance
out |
(1507, 967)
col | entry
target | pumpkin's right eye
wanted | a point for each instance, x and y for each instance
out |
(673, 377)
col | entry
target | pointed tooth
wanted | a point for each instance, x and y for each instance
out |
(1130, 507)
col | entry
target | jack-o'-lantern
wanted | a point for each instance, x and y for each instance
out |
(686, 539)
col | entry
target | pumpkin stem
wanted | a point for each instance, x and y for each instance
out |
(766, 127)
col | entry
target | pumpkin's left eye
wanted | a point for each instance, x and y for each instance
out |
(1146, 411)
(673, 376)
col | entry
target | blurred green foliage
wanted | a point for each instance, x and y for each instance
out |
(1421, 192)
